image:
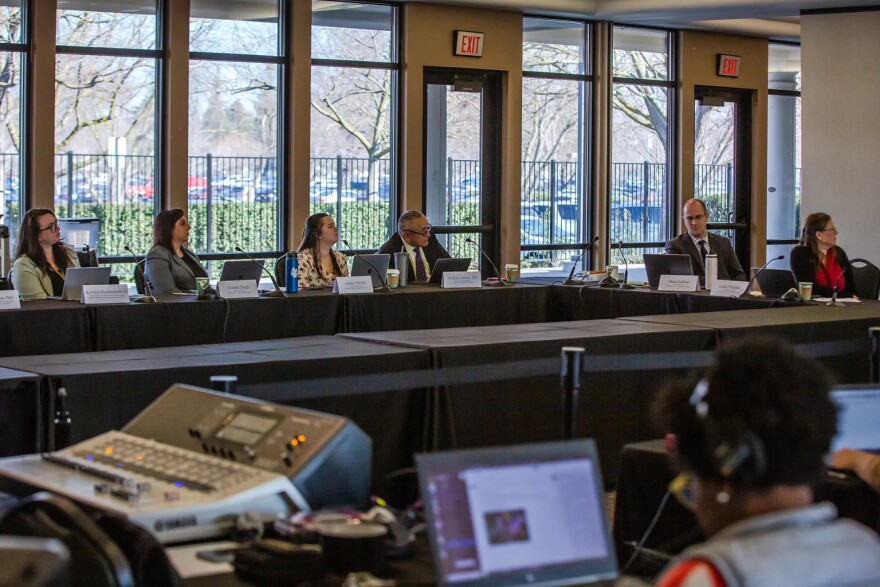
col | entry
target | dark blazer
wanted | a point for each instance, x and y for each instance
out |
(803, 271)
(433, 251)
(728, 264)
(168, 273)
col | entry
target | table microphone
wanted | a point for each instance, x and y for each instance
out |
(571, 281)
(268, 294)
(485, 256)
(383, 280)
(624, 284)
(833, 301)
(147, 298)
(758, 272)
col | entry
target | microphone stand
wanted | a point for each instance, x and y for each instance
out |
(624, 284)
(571, 281)
(383, 280)
(277, 293)
(147, 298)
(758, 272)
(833, 301)
(485, 256)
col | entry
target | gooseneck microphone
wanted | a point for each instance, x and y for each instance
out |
(833, 301)
(147, 298)
(382, 278)
(624, 284)
(571, 281)
(277, 293)
(758, 272)
(489, 259)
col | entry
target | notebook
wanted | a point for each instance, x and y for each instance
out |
(517, 515)
(245, 270)
(660, 264)
(775, 282)
(76, 277)
(446, 264)
(857, 423)
(375, 265)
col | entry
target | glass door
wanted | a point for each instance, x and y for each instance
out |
(462, 161)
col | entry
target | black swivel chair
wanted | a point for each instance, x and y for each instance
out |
(867, 279)
(281, 271)
(139, 283)
(88, 258)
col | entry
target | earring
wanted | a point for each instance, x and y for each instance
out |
(722, 497)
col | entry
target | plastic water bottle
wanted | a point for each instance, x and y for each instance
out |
(291, 281)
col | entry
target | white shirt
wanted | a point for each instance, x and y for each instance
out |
(411, 251)
(705, 239)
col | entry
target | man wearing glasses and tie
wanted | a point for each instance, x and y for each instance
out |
(414, 237)
(699, 242)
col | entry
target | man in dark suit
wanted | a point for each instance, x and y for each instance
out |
(699, 242)
(414, 236)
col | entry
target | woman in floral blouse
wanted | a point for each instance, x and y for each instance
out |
(319, 264)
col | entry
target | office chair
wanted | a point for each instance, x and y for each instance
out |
(867, 279)
(139, 277)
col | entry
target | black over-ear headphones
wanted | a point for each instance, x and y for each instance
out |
(737, 453)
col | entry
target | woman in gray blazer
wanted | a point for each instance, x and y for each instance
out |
(170, 266)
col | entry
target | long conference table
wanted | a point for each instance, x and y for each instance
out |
(54, 327)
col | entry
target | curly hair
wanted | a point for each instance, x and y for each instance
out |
(764, 388)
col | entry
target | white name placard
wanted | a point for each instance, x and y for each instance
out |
(244, 288)
(105, 294)
(361, 284)
(461, 279)
(9, 300)
(727, 288)
(679, 283)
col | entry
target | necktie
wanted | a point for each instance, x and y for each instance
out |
(421, 272)
(703, 251)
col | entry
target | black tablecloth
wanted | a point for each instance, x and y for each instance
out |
(21, 406)
(108, 389)
(614, 405)
(46, 327)
(645, 473)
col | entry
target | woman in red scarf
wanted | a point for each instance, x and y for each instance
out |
(818, 259)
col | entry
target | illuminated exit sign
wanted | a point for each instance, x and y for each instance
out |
(728, 65)
(468, 44)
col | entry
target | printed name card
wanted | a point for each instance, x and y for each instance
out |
(9, 300)
(728, 289)
(461, 279)
(105, 294)
(679, 283)
(361, 284)
(232, 290)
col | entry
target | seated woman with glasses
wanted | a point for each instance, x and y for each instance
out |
(319, 264)
(170, 266)
(819, 260)
(41, 258)
(751, 437)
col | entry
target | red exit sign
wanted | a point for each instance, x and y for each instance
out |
(728, 65)
(468, 44)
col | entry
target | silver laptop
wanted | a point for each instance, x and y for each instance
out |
(76, 277)
(857, 422)
(375, 265)
(517, 515)
(245, 270)
(660, 264)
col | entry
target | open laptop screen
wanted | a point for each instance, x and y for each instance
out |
(857, 423)
(517, 515)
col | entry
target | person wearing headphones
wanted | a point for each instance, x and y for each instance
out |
(751, 437)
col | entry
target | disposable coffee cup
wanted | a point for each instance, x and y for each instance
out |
(805, 288)
(512, 272)
(202, 283)
(393, 278)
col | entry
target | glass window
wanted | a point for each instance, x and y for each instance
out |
(353, 141)
(641, 104)
(783, 148)
(11, 97)
(555, 123)
(105, 121)
(236, 68)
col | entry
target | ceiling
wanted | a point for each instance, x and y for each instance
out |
(773, 19)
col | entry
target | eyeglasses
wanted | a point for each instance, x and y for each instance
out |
(693, 218)
(425, 232)
(834, 230)
(684, 488)
(51, 227)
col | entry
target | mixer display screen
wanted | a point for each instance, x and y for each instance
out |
(246, 429)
